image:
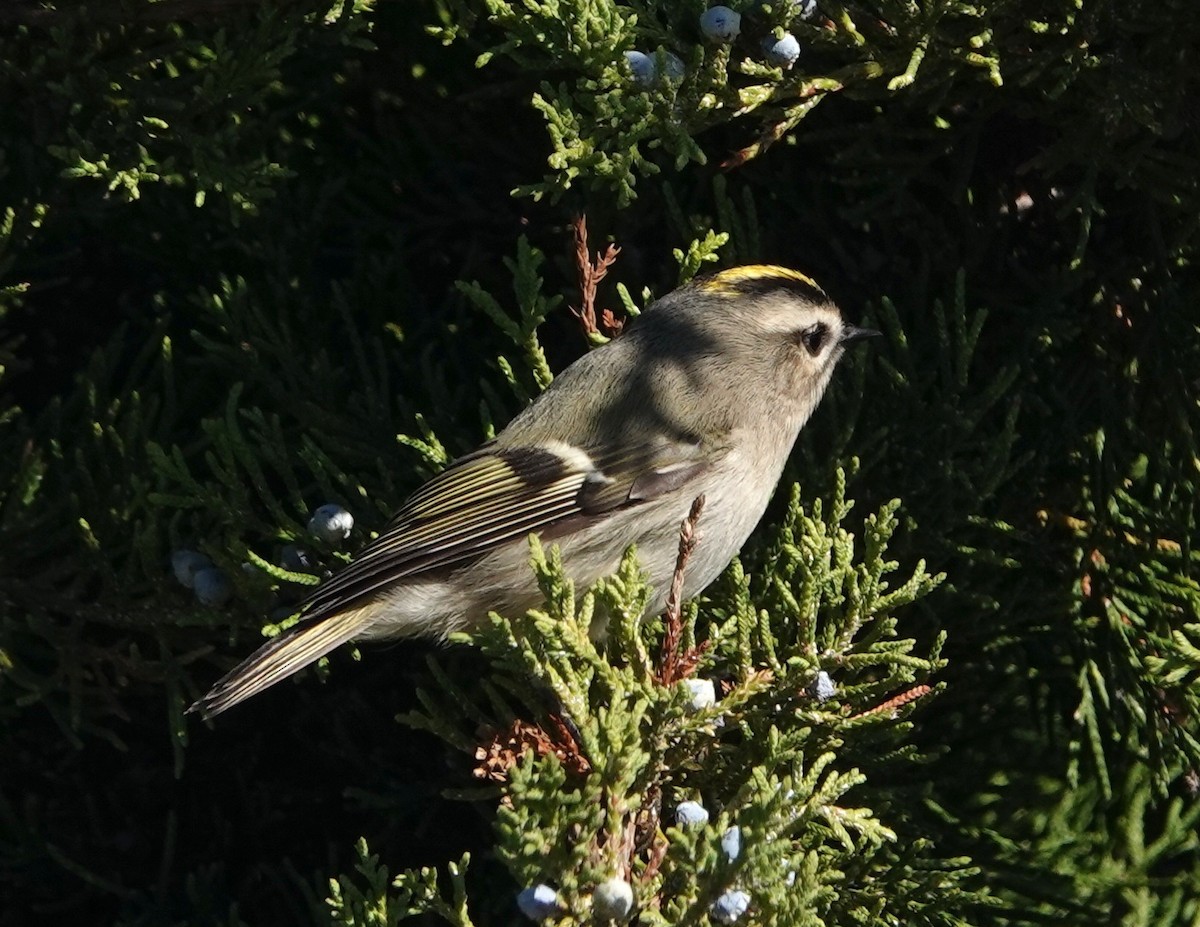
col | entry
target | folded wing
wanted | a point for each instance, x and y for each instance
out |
(481, 502)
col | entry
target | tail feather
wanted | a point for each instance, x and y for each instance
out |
(279, 658)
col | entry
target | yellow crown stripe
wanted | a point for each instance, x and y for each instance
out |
(727, 281)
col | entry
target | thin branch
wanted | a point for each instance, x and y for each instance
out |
(809, 94)
(590, 274)
(893, 704)
(676, 664)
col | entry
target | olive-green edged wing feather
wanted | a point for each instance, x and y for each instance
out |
(496, 496)
(481, 502)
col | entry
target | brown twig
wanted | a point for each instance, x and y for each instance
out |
(676, 664)
(647, 819)
(658, 852)
(590, 274)
(809, 95)
(893, 703)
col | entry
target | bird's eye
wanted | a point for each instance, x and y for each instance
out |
(813, 338)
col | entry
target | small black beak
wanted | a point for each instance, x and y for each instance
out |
(852, 333)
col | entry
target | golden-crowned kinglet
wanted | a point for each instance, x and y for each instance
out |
(704, 393)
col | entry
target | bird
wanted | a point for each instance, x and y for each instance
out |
(704, 393)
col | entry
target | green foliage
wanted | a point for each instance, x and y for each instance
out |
(371, 906)
(191, 131)
(764, 758)
(532, 307)
(1137, 602)
(603, 122)
(698, 254)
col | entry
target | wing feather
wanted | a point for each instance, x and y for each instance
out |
(492, 497)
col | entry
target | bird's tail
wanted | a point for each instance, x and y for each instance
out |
(280, 657)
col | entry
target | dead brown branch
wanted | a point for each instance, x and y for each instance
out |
(590, 274)
(675, 662)
(504, 749)
(893, 704)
